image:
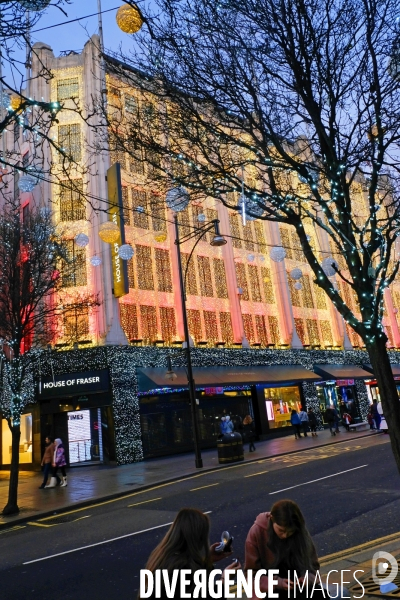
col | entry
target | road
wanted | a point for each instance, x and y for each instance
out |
(349, 494)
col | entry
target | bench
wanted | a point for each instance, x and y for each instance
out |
(359, 426)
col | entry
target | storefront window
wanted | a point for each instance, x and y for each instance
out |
(373, 390)
(279, 403)
(340, 395)
(25, 443)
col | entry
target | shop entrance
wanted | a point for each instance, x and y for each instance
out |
(85, 442)
(166, 420)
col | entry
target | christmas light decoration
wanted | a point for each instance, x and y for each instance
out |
(298, 285)
(4, 100)
(27, 183)
(277, 254)
(201, 218)
(126, 252)
(34, 5)
(96, 261)
(81, 240)
(109, 232)
(250, 257)
(129, 19)
(160, 237)
(15, 102)
(250, 208)
(177, 199)
(296, 273)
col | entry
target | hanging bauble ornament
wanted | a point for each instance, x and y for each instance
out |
(96, 261)
(250, 257)
(308, 237)
(34, 5)
(129, 19)
(81, 240)
(177, 199)
(160, 237)
(253, 209)
(139, 209)
(267, 279)
(109, 232)
(262, 258)
(329, 266)
(201, 218)
(15, 102)
(296, 273)
(4, 100)
(277, 254)
(27, 183)
(298, 286)
(126, 252)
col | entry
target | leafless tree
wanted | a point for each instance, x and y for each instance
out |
(292, 108)
(31, 304)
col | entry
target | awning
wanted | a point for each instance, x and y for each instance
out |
(150, 379)
(341, 372)
(395, 369)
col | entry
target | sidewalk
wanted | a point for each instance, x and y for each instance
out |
(95, 483)
(359, 559)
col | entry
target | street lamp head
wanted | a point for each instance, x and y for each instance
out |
(218, 239)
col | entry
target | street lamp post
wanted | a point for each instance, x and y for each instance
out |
(218, 240)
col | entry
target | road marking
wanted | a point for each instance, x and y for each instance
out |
(121, 537)
(326, 560)
(12, 528)
(42, 524)
(254, 474)
(203, 487)
(144, 502)
(309, 452)
(314, 480)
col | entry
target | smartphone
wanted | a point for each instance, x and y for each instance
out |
(226, 542)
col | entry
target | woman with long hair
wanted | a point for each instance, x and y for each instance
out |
(186, 546)
(280, 540)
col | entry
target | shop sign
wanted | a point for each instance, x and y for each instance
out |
(119, 266)
(213, 391)
(344, 382)
(74, 384)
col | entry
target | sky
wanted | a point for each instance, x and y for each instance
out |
(73, 36)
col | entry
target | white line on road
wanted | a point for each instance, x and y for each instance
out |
(314, 480)
(121, 537)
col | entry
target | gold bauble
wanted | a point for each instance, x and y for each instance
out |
(109, 232)
(15, 102)
(160, 237)
(266, 280)
(129, 19)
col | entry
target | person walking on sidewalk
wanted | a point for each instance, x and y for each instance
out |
(59, 462)
(248, 432)
(304, 421)
(312, 421)
(375, 415)
(346, 420)
(47, 461)
(229, 425)
(295, 421)
(330, 419)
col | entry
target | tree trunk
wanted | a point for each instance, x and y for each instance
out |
(11, 507)
(388, 392)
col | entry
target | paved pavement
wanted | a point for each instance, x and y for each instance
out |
(95, 483)
(359, 559)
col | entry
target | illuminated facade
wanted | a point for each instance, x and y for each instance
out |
(237, 296)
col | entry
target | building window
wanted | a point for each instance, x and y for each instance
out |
(139, 207)
(148, 318)
(73, 270)
(203, 263)
(144, 267)
(294, 293)
(210, 322)
(156, 205)
(129, 321)
(194, 324)
(72, 206)
(168, 323)
(220, 278)
(130, 104)
(254, 283)
(313, 333)
(267, 285)
(125, 206)
(67, 88)
(261, 330)
(25, 160)
(226, 327)
(274, 329)
(326, 330)
(308, 301)
(76, 323)
(131, 274)
(189, 275)
(248, 328)
(300, 329)
(163, 270)
(235, 230)
(242, 280)
(69, 139)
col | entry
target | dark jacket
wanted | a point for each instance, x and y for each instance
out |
(248, 432)
(312, 419)
(330, 415)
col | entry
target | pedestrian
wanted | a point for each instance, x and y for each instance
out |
(280, 540)
(330, 419)
(312, 421)
(248, 432)
(346, 420)
(382, 424)
(295, 421)
(185, 549)
(337, 419)
(375, 415)
(59, 462)
(342, 408)
(222, 426)
(47, 461)
(228, 424)
(370, 418)
(304, 421)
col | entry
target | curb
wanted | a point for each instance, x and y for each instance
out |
(121, 494)
(349, 552)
